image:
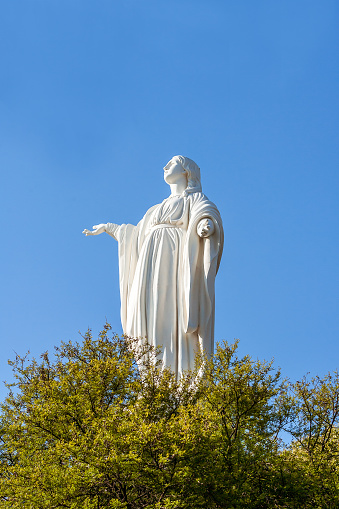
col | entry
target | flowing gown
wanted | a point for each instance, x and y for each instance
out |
(166, 281)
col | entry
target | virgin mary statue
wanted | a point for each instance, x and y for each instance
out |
(167, 269)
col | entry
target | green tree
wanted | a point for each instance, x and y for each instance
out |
(315, 433)
(91, 430)
(240, 400)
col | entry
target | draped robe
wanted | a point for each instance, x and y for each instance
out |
(167, 275)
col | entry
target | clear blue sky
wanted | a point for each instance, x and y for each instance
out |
(97, 95)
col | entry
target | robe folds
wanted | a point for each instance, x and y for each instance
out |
(167, 275)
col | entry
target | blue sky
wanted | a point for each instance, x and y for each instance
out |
(96, 96)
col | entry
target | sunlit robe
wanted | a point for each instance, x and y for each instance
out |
(167, 275)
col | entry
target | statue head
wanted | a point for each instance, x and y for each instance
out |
(193, 174)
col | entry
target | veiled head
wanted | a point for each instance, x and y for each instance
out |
(192, 171)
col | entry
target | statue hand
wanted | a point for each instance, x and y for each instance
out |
(97, 229)
(205, 227)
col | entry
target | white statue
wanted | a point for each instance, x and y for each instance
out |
(167, 267)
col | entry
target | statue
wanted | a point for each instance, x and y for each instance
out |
(167, 268)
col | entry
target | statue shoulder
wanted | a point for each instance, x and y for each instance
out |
(197, 198)
(150, 211)
(200, 200)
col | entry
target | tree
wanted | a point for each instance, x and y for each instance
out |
(315, 433)
(239, 402)
(91, 430)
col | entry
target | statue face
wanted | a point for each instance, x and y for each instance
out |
(174, 172)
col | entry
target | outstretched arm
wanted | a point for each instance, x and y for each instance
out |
(110, 228)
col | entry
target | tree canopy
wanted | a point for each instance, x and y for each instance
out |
(90, 430)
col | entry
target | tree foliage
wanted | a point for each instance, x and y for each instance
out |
(91, 430)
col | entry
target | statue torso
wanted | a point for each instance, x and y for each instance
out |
(172, 211)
